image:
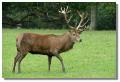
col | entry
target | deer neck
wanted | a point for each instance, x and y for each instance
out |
(67, 42)
(67, 35)
(68, 39)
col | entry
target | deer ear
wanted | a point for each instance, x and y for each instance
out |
(70, 31)
(80, 30)
(71, 27)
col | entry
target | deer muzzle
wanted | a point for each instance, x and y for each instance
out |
(80, 40)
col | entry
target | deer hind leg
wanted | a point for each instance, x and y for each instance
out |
(19, 61)
(15, 60)
(61, 60)
(49, 62)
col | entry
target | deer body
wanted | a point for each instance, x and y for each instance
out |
(50, 45)
(44, 44)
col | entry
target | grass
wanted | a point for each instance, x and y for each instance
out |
(94, 57)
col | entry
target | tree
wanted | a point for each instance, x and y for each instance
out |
(93, 17)
(45, 14)
(106, 16)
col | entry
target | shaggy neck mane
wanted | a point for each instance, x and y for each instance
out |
(67, 42)
(68, 36)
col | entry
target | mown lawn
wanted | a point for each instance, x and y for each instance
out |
(94, 57)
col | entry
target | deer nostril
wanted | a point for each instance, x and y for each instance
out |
(80, 40)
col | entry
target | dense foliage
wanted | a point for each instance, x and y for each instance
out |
(106, 16)
(46, 15)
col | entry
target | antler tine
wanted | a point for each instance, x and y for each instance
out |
(61, 8)
(85, 23)
(65, 11)
(67, 8)
(60, 11)
(69, 19)
(80, 14)
(86, 16)
(83, 16)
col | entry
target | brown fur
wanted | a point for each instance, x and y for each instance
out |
(50, 45)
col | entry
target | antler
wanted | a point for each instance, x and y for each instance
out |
(65, 11)
(83, 16)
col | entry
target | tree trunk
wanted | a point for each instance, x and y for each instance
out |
(93, 17)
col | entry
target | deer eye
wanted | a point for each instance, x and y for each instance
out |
(73, 34)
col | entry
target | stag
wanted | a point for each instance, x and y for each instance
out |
(50, 45)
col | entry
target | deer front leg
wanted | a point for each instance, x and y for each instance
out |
(49, 62)
(61, 60)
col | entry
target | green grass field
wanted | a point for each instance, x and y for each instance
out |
(94, 57)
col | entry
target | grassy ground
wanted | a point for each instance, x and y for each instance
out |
(94, 57)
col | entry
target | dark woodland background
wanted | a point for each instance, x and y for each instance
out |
(45, 15)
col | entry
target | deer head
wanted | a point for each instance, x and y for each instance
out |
(75, 31)
(83, 16)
